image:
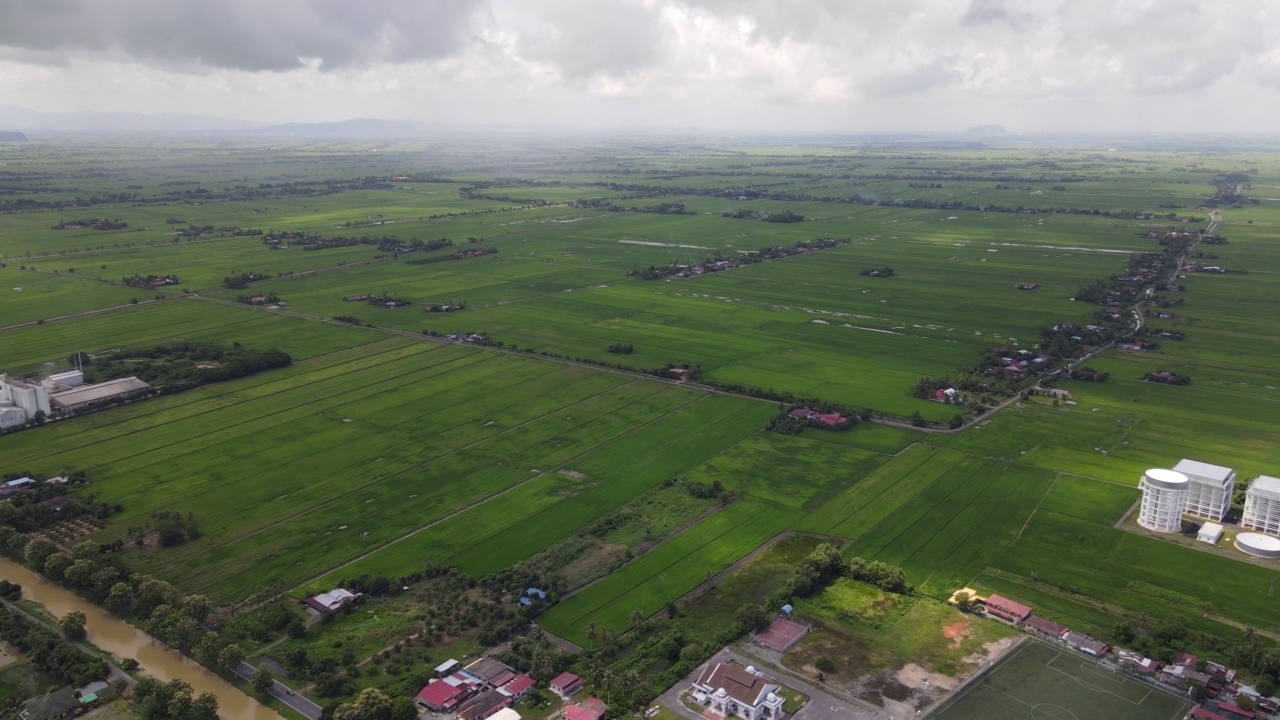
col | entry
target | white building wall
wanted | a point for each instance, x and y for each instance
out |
(1261, 510)
(28, 396)
(1208, 498)
(1161, 508)
(12, 416)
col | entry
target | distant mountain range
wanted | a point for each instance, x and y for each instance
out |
(39, 123)
(10, 137)
(985, 131)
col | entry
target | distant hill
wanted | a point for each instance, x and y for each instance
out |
(358, 128)
(115, 122)
(985, 131)
(8, 137)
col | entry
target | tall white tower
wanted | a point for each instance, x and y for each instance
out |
(1262, 505)
(1164, 492)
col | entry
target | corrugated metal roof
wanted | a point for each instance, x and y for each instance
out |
(1203, 469)
(99, 391)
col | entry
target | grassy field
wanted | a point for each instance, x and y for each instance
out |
(1039, 681)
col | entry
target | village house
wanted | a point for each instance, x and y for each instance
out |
(327, 602)
(589, 709)
(566, 684)
(730, 690)
(483, 706)
(1007, 610)
(1086, 644)
(1045, 628)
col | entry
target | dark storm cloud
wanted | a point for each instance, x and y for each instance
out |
(251, 35)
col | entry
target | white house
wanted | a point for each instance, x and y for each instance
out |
(731, 690)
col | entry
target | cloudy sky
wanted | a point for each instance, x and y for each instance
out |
(820, 65)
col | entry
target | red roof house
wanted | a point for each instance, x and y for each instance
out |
(566, 684)
(519, 687)
(442, 696)
(1006, 609)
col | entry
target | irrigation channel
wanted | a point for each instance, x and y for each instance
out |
(123, 640)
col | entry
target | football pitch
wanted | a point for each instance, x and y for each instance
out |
(1042, 682)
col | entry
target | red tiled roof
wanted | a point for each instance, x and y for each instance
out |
(520, 684)
(577, 712)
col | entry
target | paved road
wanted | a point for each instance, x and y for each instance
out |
(283, 693)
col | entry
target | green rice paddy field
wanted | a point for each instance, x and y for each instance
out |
(380, 449)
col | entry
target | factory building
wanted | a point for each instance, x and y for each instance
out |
(83, 396)
(1209, 489)
(20, 400)
(1262, 505)
(1164, 494)
(63, 381)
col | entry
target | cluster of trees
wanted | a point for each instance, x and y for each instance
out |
(825, 565)
(622, 348)
(174, 700)
(241, 281)
(460, 255)
(170, 526)
(49, 652)
(150, 281)
(787, 424)
(184, 365)
(1167, 378)
(267, 299)
(95, 223)
(32, 510)
(786, 216)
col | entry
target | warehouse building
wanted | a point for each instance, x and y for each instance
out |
(1262, 505)
(1209, 488)
(83, 396)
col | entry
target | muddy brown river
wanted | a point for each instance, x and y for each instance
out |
(126, 641)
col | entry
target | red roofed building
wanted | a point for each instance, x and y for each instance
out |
(441, 696)
(1202, 714)
(589, 709)
(1233, 712)
(566, 684)
(1006, 609)
(519, 687)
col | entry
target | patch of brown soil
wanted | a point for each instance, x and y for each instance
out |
(956, 632)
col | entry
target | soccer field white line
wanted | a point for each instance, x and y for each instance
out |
(1083, 683)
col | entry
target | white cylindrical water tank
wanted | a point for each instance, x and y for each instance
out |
(1164, 493)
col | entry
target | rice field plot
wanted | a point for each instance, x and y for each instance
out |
(28, 348)
(1041, 681)
(563, 500)
(1113, 566)
(795, 472)
(949, 533)
(878, 495)
(295, 474)
(30, 296)
(668, 571)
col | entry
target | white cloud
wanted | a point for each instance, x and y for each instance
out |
(807, 64)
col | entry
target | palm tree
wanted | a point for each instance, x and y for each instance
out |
(591, 630)
(637, 617)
